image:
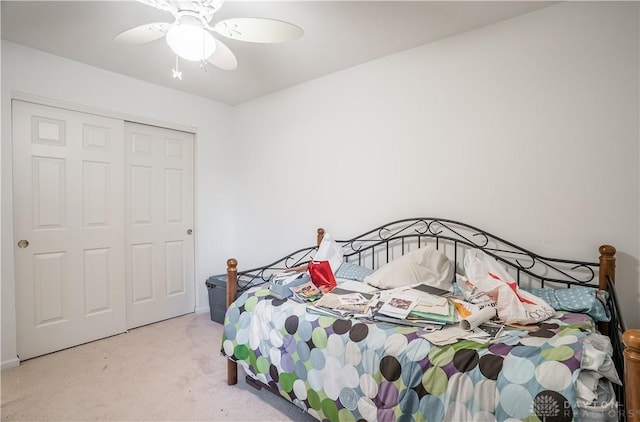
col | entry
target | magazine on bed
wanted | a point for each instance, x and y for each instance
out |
(353, 302)
(445, 314)
(418, 304)
(432, 290)
(307, 292)
(398, 306)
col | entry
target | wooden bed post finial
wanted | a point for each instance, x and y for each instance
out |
(631, 339)
(232, 290)
(320, 235)
(232, 264)
(607, 265)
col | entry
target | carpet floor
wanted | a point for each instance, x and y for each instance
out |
(168, 371)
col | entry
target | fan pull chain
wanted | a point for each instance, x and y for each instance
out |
(203, 62)
(176, 72)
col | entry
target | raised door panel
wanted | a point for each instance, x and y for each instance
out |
(141, 261)
(50, 281)
(48, 187)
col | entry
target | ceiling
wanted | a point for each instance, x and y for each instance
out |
(337, 35)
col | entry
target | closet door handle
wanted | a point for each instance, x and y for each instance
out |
(23, 244)
(189, 232)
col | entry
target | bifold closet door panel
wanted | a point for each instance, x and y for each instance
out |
(159, 223)
(68, 181)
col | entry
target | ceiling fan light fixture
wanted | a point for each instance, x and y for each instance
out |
(191, 41)
(191, 35)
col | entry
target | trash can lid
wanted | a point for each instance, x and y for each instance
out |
(216, 281)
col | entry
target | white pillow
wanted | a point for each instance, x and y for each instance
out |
(425, 265)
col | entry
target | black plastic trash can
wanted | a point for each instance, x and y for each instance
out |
(217, 288)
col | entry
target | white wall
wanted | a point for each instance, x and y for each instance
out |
(527, 128)
(31, 72)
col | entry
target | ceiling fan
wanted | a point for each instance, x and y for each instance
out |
(190, 36)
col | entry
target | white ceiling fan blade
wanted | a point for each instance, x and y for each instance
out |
(258, 30)
(165, 5)
(143, 33)
(204, 7)
(222, 57)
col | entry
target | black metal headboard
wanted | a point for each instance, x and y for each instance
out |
(382, 244)
(387, 242)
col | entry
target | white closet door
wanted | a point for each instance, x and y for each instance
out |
(68, 171)
(159, 223)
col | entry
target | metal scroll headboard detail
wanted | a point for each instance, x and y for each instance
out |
(260, 275)
(377, 246)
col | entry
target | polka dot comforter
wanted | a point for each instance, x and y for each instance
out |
(350, 370)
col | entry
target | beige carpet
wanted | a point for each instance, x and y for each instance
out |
(168, 371)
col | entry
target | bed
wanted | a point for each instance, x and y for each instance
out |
(579, 364)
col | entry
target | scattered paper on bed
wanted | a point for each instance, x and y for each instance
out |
(398, 306)
(321, 310)
(433, 291)
(432, 309)
(486, 333)
(448, 335)
(353, 302)
(307, 292)
(356, 286)
(352, 298)
(426, 298)
(479, 317)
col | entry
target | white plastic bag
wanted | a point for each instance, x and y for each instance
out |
(514, 306)
(330, 251)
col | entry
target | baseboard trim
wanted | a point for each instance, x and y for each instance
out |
(201, 310)
(11, 363)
